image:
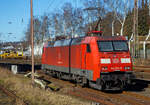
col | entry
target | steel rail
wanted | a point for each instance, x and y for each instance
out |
(11, 94)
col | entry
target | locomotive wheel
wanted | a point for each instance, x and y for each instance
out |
(108, 85)
(83, 82)
(54, 74)
(121, 84)
(59, 75)
(101, 84)
(78, 79)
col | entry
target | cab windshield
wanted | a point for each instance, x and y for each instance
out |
(110, 46)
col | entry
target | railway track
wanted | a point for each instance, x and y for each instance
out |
(120, 98)
(142, 69)
(124, 98)
(142, 72)
(109, 98)
(75, 90)
(18, 100)
(91, 97)
(142, 66)
(138, 96)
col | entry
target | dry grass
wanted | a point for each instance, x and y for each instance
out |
(36, 96)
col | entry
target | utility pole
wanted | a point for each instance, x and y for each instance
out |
(32, 40)
(149, 17)
(136, 33)
(145, 42)
(135, 29)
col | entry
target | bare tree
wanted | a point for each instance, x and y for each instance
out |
(67, 21)
(37, 31)
(95, 11)
(79, 21)
(120, 9)
(27, 37)
(72, 20)
(68, 18)
(58, 24)
(107, 23)
(41, 29)
(45, 24)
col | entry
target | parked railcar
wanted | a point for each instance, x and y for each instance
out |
(101, 62)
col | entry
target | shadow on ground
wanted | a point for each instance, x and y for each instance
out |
(139, 85)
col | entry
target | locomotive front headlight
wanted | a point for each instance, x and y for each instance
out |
(105, 61)
(127, 68)
(104, 68)
(125, 60)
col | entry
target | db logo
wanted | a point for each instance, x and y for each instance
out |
(115, 60)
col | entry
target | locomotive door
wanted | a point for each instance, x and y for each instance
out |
(86, 57)
(83, 63)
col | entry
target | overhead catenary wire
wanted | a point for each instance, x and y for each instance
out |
(50, 4)
(58, 5)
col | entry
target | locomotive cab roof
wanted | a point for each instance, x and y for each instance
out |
(82, 40)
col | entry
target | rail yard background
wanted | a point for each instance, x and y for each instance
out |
(129, 18)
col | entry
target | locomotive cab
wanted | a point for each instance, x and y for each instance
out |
(115, 63)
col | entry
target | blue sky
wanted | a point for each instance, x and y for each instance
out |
(15, 11)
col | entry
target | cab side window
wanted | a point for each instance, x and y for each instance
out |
(88, 49)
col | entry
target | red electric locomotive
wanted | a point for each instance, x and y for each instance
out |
(101, 62)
